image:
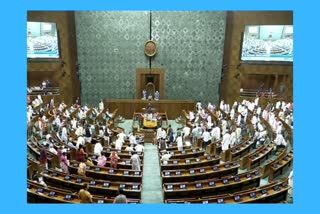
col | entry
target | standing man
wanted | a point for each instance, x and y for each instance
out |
(225, 141)
(179, 142)
(135, 161)
(206, 137)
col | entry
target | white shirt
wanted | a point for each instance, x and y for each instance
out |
(101, 106)
(186, 131)
(206, 136)
(66, 113)
(129, 149)
(198, 105)
(256, 101)
(254, 120)
(98, 149)
(209, 119)
(225, 141)
(259, 111)
(80, 141)
(165, 157)
(163, 134)
(159, 130)
(64, 133)
(210, 107)
(79, 131)
(132, 140)
(216, 133)
(122, 136)
(238, 134)
(280, 140)
(139, 148)
(233, 138)
(179, 141)
(224, 126)
(222, 105)
(119, 144)
(74, 123)
(232, 114)
(191, 115)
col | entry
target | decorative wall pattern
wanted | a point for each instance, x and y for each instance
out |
(190, 47)
(110, 47)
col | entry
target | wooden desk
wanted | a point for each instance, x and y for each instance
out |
(260, 156)
(264, 194)
(98, 187)
(127, 107)
(193, 174)
(240, 150)
(210, 187)
(150, 124)
(280, 166)
(38, 194)
(189, 163)
(108, 173)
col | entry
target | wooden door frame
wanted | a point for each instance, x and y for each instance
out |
(144, 71)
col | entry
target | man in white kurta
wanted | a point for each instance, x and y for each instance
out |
(101, 106)
(238, 134)
(225, 141)
(209, 121)
(135, 161)
(80, 141)
(79, 131)
(191, 115)
(139, 148)
(98, 149)
(223, 126)
(119, 143)
(158, 135)
(233, 138)
(132, 140)
(186, 132)
(280, 141)
(179, 142)
(64, 134)
(216, 133)
(122, 136)
(206, 137)
(221, 105)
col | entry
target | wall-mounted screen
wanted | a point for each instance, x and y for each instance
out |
(267, 43)
(42, 40)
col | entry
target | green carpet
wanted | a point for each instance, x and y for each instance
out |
(151, 179)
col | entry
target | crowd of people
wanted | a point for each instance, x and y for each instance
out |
(227, 124)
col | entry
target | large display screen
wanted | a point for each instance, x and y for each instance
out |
(267, 43)
(42, 40)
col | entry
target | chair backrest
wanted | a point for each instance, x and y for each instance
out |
(150, 88)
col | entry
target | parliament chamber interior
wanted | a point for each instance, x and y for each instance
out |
(172, 107)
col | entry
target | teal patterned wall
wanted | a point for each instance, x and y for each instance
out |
(110, 47)
(190, 48)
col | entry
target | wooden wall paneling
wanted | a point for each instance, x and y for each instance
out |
(236, 20)
(64, 77)
(126, 107)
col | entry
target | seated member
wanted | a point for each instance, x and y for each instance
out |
(84, 195)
